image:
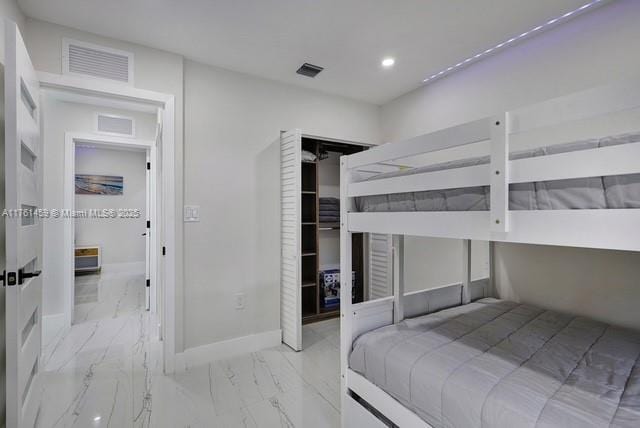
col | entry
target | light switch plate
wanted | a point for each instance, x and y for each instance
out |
(241, 300)
(191, 213)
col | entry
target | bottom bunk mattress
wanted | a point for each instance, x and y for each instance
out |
(495, 363)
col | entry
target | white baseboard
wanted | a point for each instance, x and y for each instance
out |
(133, 267)
(227, 349)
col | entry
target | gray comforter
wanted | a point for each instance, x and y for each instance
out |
(620, 191)
(500, 364)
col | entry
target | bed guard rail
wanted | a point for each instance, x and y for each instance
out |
(500, 171)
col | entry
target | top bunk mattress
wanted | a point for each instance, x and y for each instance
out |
(618, 191)
(495, 363)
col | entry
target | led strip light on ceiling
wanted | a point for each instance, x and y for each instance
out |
(512, 41)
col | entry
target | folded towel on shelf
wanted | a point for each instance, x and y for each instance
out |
(307, 156)
(330, 201)
(329, 211)
(329, 206)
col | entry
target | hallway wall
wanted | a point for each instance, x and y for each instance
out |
(154, 70)
(61, 117)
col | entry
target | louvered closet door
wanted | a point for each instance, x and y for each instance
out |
(290, 229)
(380, 266)
(23, 191)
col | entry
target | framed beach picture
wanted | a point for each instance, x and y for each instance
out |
(99, 184)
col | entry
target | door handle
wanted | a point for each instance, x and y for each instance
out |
(144, 234)
(22, 275)
(8, 278)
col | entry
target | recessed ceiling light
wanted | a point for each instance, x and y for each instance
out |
(388, 62)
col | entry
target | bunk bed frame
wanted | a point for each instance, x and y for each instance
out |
(617, 229)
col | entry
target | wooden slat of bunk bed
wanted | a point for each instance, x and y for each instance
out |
(604, 161)
(471, 176)
(467, 133)
(615, 229)
(383, 402)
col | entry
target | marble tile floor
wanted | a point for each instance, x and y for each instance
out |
(108, 295)
(107, 372)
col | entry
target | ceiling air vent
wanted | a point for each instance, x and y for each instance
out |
(309, 70)
(115, 125)
(86, 59)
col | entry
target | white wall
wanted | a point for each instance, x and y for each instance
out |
(229, 160)
(591, 50)
(154, 70)
(120, 239)
(60, 117)
(232, 124)
(9, 10)
(431, 262)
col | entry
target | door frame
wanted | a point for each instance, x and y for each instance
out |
(105, 141)
(122, 96)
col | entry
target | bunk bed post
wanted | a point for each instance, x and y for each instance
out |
(346, 314)
(466, 271)
(398, 278)
(500, 173)
(492, 271)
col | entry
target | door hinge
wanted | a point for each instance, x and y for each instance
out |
(164, 251)
(148, 283)
(148, 165)
(8, 278)
(148, 224)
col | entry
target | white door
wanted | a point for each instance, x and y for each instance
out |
(380, 266)
(290, 230)
(23, 191)
(157, 239)
(147, 234)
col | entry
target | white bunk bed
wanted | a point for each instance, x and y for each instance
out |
(366, 404)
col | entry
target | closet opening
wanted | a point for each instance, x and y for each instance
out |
(320, 230)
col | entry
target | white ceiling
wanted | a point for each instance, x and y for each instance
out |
(272, 38)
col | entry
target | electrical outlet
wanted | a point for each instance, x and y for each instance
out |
(241, 299)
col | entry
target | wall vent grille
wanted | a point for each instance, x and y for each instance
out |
(97, 61)
(115, 125)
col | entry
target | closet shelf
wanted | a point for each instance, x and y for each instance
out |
(329, 226)
(329, 312)
(309, 318)
(308, 192)
(308, 284)
(306, 254)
